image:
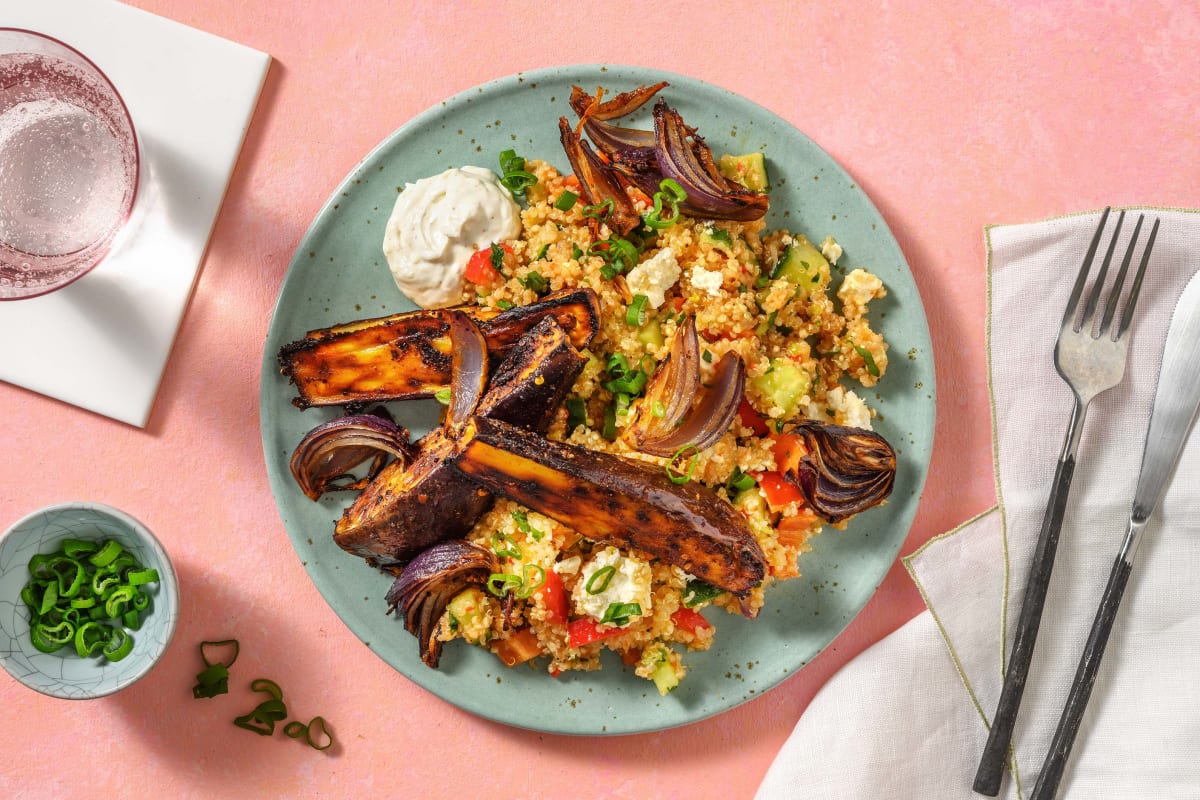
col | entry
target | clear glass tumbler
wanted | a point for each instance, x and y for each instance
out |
(69, 164)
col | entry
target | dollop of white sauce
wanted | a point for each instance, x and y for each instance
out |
(438, 223)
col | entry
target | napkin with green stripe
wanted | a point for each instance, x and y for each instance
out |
(908, 718)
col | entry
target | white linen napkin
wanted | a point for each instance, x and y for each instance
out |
(908, 718)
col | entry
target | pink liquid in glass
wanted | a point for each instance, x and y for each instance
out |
(68, 171)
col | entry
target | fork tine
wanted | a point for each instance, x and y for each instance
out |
(1081, 280)
(1089, 311)
(1136, 289)
(1114, 294)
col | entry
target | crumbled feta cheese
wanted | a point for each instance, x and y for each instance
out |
(568, 566)
(627, 582)
(831, 250)
(708, 280)
(859, 287)
(850, 409)
(654, 276)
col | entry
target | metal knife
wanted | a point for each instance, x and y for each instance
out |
(1176, 400)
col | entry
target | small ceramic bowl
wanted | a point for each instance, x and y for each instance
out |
(63, 674)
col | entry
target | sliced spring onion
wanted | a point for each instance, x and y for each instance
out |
(609, 431)
(88, 594)
(505, 546)
(513, 174)
(600, 579)
(541, 253)
(522, 520)
(670, 195)
(619, 613)
(566, 201)
(635, 314)
(501, 583)
(872, 367)
(576, 413)
(686, 475)
(533, 577)
(600, 211)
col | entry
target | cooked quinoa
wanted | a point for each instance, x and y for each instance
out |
(805, 348)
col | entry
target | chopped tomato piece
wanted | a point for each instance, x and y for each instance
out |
(519, 647)
(554, 598)
(753, 420)
(572, 183)
(690, 620)
(586, 630)
(788, 450)
(479, 266)
(778, 490)
(631, 657)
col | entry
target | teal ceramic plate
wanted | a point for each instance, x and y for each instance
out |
(339, 274)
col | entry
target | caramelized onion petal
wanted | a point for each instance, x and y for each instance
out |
(708, 194)
(712, 416)
(325, 456)
(844, 471)
(598, 180)
(625, 103)
(468, 368)
(672, 388)
(428, 584)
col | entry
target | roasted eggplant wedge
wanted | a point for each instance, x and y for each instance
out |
(611, 500)
(407, 508)
(406, 356)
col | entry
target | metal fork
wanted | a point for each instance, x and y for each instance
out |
(1090, 356)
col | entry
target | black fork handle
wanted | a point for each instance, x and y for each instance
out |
(991, 765)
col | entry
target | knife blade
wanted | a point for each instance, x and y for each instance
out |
(1176, 401)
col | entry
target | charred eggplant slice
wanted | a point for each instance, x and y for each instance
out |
(614, 501)
(406, 356)
(407, 508)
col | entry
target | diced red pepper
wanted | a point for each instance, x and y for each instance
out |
(519, 647)
(788, 450)
(479, 266)
(752, 419)
(690, 620)
(586, 630)
(778, 490)
(554, 598)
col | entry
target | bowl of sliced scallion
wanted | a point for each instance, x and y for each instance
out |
(88, 600)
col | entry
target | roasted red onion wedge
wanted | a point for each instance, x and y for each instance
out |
(671, 391)
(685, 158)
(430, 582)
(325, 457)
(841, 471)
(623, 104)
(468, 368)
(599, 182)
(711, 417)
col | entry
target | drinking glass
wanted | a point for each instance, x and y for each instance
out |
(69, 164)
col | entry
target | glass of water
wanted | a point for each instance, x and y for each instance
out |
(69, 164)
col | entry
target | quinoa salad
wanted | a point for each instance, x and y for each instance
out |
(555, 597)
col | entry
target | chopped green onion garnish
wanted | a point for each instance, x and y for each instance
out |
(600, 579)
(697, 592)
(670, 194)
(522, 520)
(535, 282)
(576, 413)
(566, 201)
(683, 477)
(619, 613)
(598, 211)
(513, 175)
(541, 253)
(738, 482)
(503, 304)
(707, 356)
(635, 315)
(442, 396)
(533, 577)
(501, 583)
(496, 256)
(872, 367)
(609, 431)
(505, 546)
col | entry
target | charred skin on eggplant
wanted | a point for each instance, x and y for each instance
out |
(614, 501)
(406, 509)
(406, 356)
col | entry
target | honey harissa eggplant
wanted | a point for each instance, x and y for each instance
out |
(409, 507)
(405, 356)
(611, 500)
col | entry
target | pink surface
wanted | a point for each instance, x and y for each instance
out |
(950, 117)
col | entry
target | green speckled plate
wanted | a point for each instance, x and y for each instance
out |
(339, 274)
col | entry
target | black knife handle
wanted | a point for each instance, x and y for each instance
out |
(995, 752)
(1081, 689)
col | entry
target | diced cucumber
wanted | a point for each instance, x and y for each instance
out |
(469, 609)
(662, 667)
(750, 170)
(651, 334)
(718, 239)
(783, 384)
(802, 264)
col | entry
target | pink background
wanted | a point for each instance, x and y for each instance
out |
(951, 116)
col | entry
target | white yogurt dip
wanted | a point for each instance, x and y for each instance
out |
(435, 226)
